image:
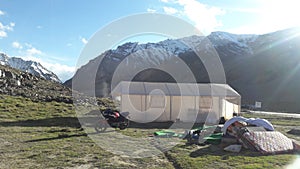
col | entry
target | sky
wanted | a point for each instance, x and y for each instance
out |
(54, 32)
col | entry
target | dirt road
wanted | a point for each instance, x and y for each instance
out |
(294, 115)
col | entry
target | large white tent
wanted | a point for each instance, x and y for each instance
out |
(187, 102)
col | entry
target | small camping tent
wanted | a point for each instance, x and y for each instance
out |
(187, 102)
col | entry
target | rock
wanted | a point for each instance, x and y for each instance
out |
(235, 148)
(9, 74)
(17, 83)
(28, 85)
(294, 132)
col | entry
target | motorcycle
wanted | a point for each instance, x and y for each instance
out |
(112, 118)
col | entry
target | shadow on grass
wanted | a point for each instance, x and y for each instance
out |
(164, 125)
(152, 125)
(64, 135)
(53, 122)
(61, 136)
(47, 122)
(216, 150)
(75, 122)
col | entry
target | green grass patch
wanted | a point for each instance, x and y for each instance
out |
(275, 119)
(212, 156)
(48, 135)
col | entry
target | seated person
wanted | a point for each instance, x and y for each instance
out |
(234, 127)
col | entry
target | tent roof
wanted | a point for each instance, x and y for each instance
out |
(174, 89)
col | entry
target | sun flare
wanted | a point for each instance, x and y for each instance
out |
(280, 13)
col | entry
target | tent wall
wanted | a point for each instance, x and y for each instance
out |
(195, 109)
(158, 108)
(187, 108)
(175, 107)
(146, 107)
(135, 104)
(214, 114)
(229, 108)
(204, 104)
(208, 109)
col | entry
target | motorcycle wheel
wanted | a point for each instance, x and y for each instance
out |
(100, 127)
(124, 125)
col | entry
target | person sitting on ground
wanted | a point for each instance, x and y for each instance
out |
(234, 128)
(222, 120)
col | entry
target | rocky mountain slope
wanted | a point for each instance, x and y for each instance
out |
(32, 67)
(260, 67)
(18, 83)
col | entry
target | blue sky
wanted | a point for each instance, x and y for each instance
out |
(54, 32)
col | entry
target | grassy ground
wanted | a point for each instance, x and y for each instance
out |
(48, 135)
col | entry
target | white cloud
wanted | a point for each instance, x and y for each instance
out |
(28, 45)
(26, 49)
(17, 45)
(64, 72)
(33, 51)
(151, 10)
(12, 24)
(2, 12)
(69, 44)
(170, 10)
(250, 29)
(84, 41)
(282, 14)
(3, 34)
(5, 28)
(202, 16)
(29, 52)
(39, 27)
(244, 10)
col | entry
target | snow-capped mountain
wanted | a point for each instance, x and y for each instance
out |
(135, 56)
(260, 67)
(32, 67)
(223, 38)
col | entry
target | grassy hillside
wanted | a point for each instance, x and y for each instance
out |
(48, 135)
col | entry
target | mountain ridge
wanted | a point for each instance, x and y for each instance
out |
(255, 65)
(32, 67)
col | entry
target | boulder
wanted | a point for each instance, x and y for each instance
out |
(294, 132)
